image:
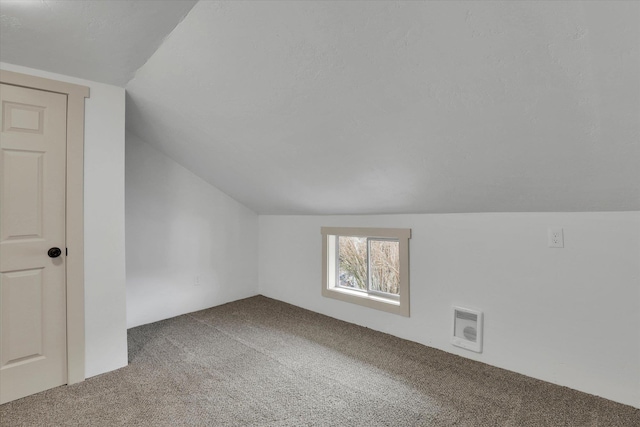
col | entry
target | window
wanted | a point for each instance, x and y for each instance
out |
(367, 266)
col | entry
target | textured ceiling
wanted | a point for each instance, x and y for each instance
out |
(105, 41)
(388, 107)
(368, 107)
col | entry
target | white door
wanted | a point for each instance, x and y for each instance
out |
(33, 349)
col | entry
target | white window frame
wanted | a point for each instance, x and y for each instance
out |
(398, 304)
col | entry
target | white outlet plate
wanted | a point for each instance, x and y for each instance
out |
(556, 238)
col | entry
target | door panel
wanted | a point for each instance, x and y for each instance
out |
(32, 219)
(21, 316)
(23, 118)
(23, 216)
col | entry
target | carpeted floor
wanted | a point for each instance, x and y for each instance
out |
(260, 362)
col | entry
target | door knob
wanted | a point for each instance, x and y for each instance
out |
(54, 252)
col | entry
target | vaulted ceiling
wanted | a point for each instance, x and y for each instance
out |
(104, 41)
(397, 107)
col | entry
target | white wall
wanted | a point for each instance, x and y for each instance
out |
(105, 315)
(179, 227)
(569, 316)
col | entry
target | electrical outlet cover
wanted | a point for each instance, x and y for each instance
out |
(556, 238)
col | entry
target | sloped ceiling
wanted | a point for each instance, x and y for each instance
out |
(401, 107)
(320, 107)
(104, 41)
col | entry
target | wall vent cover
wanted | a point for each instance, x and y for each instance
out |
(467, 329)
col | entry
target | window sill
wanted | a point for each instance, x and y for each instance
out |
(367, 300)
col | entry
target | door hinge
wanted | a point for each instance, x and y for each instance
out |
(66, 251)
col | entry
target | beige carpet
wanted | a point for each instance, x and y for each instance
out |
(260, 362)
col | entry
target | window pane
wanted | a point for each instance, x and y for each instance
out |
(385, 266)
(352, 257)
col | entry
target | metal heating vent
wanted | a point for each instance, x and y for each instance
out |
(467, 329)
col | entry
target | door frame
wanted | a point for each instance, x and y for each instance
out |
(76, 95)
